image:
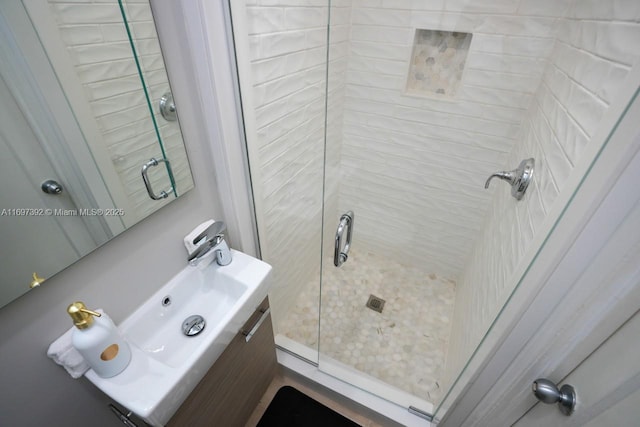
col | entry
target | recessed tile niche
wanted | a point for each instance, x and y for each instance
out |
(437, 63)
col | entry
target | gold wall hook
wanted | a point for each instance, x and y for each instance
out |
(37, 281)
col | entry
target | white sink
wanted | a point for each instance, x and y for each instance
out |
(166, 365)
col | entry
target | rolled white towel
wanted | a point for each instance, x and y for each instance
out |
(64, 354)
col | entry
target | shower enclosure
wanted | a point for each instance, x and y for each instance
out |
(394, 114)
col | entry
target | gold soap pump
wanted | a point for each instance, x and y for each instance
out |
(81, 315)
(98, 341)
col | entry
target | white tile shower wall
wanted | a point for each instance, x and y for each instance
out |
(413, 168)
(287, 49)
(597, 43)
(98, 46)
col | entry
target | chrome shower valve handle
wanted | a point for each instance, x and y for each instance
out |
(518, 178)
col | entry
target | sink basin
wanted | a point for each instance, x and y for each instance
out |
(166, 364)
(156, 327)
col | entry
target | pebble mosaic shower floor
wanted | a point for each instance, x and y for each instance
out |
(404, 346)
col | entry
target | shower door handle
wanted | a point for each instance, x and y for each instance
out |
(341, 252)
(147, 183)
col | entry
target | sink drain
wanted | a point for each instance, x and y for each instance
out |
(375, 303)
(193, 325)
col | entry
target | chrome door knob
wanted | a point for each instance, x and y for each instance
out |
(547, 392)
(51, 187)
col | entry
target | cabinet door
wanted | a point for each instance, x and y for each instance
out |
(232, 388)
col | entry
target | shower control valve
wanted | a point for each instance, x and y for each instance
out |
(518, 178)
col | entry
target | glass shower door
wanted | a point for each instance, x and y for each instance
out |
(400, 113)
(281, 53)
(424, 104)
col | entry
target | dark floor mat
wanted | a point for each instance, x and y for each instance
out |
(291, 408)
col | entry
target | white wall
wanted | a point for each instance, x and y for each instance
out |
(596, 46)
(120, 275)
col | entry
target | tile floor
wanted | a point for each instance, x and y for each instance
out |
(404, 346)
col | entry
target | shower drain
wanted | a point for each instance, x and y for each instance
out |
(375, 303)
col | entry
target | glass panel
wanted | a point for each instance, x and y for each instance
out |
(466, 372)
(284, 102)
(133, 41)
(429, 102)
(424, 102)
(157, 92)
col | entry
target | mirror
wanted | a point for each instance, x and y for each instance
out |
(81, 86)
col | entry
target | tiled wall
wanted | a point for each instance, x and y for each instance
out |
(97, 44)
(413, 168)
(287, 54)
(437, 62)
(597, 43)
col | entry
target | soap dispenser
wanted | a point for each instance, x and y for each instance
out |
(98, 341)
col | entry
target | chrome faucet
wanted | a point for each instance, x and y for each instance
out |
(211, 239)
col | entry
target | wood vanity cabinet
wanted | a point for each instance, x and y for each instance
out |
(231, 390)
